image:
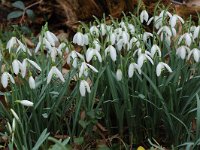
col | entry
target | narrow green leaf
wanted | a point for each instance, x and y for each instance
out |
(41, 139)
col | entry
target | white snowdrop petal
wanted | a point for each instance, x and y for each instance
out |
(34, 64)
(15, 66)
(159, 68)
(59, 74)
(130, 70)
(87, 86)
(93, 68)
(82, 88)
(119, 75)
(31, 82)
(4, 79)
(49, 76)
(15, 114)
(26, 103)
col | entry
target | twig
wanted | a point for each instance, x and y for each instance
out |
(23, 15)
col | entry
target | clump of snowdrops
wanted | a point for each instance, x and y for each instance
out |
(138, 76)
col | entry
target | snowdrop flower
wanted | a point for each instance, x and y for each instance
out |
(144, 16)
(11, 43)
(31, 82)
(119, 75)
(196, 54)
(120, 44)
(52, 39)
(47, 44)
(79, 39)
(54, 71)
(187, 37)
(181, 51)
(142, 58)
(196, 32)
(73, 56)
(25, 103)
(157, 21)
(53, 54)
(146, 35)
(131, 69)
(15, 115)
(85, 39)
(60, 47)
(38, 47)
(131, 28)
(83, 87)
(97, 45)
(90, 53)
(23, 48)
(16, 66)
(112, 51)
(160, 67)
(165, 13)
(165, 29)
(134, 41)
(111, 38)
(125, 37)
(33, 64)
(5, 78)
(94, 31)
(103, 29)
(155, 49)
(173, 20)
(84, 69)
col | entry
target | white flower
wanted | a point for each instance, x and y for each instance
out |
(142, 58)
(157, 21)
(125, 36)
(103, 29)
(85, 39)
(165, 13)
(181, 51)
(53, 54)
(131, 69)
(11, 43)
(165, 29)
(79, 39)
(111, 38)
(119, 75)
(37, 47)
(16, 66)
(60, 47)
(196, 54)
(160, 67)
(187, 37)
(54, 71)
(83, 87)
(31, 82)
(134, 41)
(94, 31)
(5, 78)
(15, 115)
(131, 28)
(155, 49)
(144, 16)
(196, 32)
(90, 53)
(33, 64)
(73, 56)
(113, 54)
(146, 35)
(25, 103)
(52, 39)
(173, 20)
(97, 45)
(84, 69)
